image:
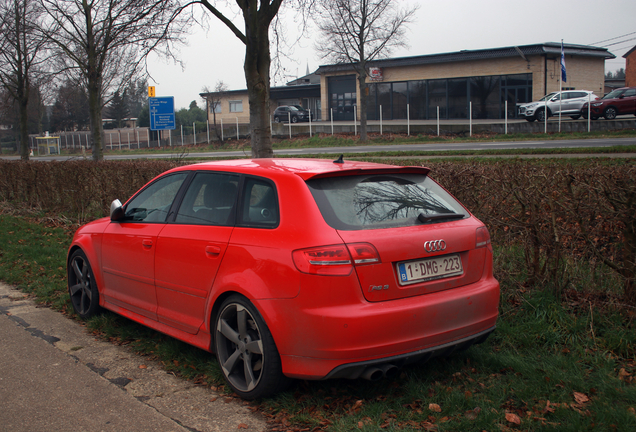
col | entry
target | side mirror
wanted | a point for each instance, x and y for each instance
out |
(116, 211)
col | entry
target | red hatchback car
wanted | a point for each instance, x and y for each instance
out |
(296, 268)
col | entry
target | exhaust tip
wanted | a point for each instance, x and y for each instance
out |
(372, 374)
(389, 370)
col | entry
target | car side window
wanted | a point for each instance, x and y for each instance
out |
(153, 203)
(259, 204)
(209, 200)
(630, 93)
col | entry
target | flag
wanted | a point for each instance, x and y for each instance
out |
(564, 76)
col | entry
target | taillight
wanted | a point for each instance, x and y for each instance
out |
(335, 260)
(363, 253)
(482, 237)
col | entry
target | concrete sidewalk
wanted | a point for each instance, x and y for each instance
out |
(54, 376)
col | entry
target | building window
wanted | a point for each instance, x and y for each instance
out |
(236, 106)
(215, 107)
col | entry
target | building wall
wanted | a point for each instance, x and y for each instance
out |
(226, 115)
(630, 69)
(583, 73)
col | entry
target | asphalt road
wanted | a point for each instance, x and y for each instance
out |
(548, 144)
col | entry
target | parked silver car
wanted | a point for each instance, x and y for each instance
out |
(567, 102)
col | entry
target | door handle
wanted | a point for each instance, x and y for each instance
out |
(147, 243)
(212, 250)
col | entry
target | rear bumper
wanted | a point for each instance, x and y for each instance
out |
(356, 370)
(317, 340)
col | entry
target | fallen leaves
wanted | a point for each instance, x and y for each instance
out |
(434, 407)
(513, 418)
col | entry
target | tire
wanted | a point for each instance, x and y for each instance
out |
(294, 119)
(594, 117)
(610, 113)
(276, 119)
(575, 117)
(530, 119)
(246, 350)
(540, 115)
(82, 286)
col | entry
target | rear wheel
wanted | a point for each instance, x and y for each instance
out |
(277, 119)
(82, 287)
(246, 350)
(610, 113)
(294, 119)
(530, 119)
(575, 117)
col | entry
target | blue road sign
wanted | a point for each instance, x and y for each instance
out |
(161, 113)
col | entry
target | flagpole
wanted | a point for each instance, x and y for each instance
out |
(564, 78)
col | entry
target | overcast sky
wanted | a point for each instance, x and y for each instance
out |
(439, 27)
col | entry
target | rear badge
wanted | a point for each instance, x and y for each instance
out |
(435, 246)
(378, 288)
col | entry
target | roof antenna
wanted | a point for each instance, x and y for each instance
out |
(340, 159)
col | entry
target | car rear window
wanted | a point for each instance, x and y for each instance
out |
(383, 201)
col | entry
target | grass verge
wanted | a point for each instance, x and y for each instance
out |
(553, 364)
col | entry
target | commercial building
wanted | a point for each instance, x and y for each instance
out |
(630, 67)
(488, 83)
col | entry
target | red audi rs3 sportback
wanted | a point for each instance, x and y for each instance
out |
(293, 268)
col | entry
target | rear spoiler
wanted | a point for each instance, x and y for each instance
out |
(357, 171)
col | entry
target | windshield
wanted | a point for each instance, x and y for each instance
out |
(547, 97)
(383, 201)
(613, 94)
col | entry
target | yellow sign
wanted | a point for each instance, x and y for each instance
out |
(151, 91)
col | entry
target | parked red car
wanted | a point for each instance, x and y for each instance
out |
(617, 102)
(293, 268)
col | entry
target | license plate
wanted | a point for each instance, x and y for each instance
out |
(430, 268)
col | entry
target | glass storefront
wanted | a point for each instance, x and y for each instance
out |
(452, 96)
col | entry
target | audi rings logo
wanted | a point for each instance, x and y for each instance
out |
(435, 246)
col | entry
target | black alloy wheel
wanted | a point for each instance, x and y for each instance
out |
(294, 119)
(610, 113)
(246, 350)
(82, 287)
(277, 119)
(575, 117)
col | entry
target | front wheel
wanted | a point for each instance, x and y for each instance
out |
(246, 350)
(540, 115)
(610, 113)
(530, 119)
(294, 119)
(575, 117)
(276, 119)
(82, 286)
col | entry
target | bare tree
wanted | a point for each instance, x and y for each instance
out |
(257, 19)
(213, 101)
(22, 50)
(104, 44)
(358, 32)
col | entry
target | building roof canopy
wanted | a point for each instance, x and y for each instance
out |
(548, 48)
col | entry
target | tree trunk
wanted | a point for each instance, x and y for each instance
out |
(257, 62)
(362, 81)
(97, 129)
(24, 128)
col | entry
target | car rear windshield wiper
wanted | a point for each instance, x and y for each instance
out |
(440, 216)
